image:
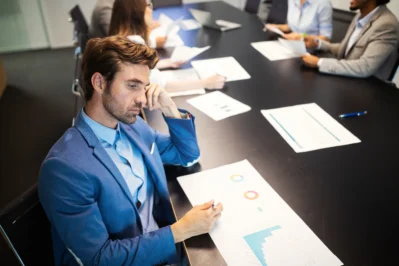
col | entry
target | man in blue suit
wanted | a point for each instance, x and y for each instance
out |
(102, 185)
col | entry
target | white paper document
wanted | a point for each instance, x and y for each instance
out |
(307, 127)
(257, 227)
(297, 47)
(182, 75)
(189, 24)
(184, 53)
(275, 30)
(218, 105)
(170, 29)
(274, 50)
(224, 66)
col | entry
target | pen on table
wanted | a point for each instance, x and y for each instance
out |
(352, 114)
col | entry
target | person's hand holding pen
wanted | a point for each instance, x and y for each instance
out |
(199, 220)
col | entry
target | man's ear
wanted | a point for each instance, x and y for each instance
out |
(98, 82)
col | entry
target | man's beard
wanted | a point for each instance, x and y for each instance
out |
(112, 107)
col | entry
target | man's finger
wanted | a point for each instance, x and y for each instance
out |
(149, 95)
(206, 205)
(155, 96)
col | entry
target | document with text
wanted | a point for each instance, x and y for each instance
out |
(256, 227)
(218, 105)
(308, 127)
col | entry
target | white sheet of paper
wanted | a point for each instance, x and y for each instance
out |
(218, 105)
(168, 28)
(224, 66)
(189, 24)
(307, 127)
(227, 24)
(174, 41)
(257, 227)
(273, 50)
(275, 30)
(164, 19)
(297, 47)
(184, 53)
(181, 75)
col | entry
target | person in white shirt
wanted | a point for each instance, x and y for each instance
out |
(307, 17)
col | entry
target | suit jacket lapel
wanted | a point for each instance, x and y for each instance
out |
(345, 41)
(100, 153)
(152, 166)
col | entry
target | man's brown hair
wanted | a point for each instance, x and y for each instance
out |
(106, 55)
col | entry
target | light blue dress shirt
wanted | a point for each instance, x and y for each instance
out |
(359, 27)
(129, 161)
(315, 17)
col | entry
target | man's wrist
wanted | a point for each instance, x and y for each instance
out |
(171, 111)
(179, 232)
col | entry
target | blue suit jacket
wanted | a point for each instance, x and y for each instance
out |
(93, 216)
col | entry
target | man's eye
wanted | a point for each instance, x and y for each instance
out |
(133, 86)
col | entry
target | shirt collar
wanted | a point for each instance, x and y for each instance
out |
(102, 132)
(307, 2)
(362, 22)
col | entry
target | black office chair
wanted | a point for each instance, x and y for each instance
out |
(395, 69)
(80, 29)
(252, 6)
(341, 22)
(25, 228)
(278, 12)
(164, 3)
(80, 37)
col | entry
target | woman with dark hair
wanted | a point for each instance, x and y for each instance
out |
(131, 18)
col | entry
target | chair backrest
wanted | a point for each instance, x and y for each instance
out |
(164, 3)
(395, 69)
(341, 22)
(79, 20)
(252, 6)
(278, 12)
(25, 228)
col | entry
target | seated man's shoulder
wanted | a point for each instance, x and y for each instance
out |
(388, 19)
(70, 145)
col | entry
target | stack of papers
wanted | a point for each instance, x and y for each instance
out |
(218, 105)
(226, 66)
(307, 127)
(170, 29)
(184, 53)
(281, 49)
(182, 75)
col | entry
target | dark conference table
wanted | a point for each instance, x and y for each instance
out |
(348, 195)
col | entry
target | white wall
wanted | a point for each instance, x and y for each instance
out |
(21, 26)
(56, 14)
(344, 4)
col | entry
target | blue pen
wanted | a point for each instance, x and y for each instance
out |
(353, 114)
